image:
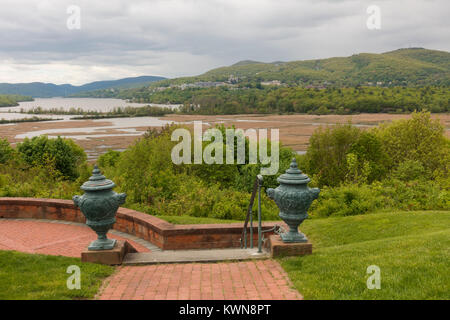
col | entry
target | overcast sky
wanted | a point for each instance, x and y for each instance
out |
(171, 38)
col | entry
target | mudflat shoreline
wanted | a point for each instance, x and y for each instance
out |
(97, 136)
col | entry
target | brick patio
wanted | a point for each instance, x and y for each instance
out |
(262, 279)
(34, 236)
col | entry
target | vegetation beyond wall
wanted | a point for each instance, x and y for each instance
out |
(254, 98)
(402, 165)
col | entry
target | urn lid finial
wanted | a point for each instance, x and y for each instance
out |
(293, 175)
(97, 182)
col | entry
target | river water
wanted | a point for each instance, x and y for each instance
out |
(85, 104)
(115, 127)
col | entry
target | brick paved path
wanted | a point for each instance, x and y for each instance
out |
(262, 279)
(34, 236)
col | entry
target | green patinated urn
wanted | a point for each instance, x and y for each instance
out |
(99, 205)
(293, 197)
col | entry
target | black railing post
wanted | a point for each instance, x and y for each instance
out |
(249, 217)
(260, 180)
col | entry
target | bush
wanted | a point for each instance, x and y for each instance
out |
(370, 158)
(6, 152)
(343, 153)
(108, 159)
(348, 200)
(418, 139)
(234, 205)
(197, 199)
(155, 185)
(17, 180)
(420, 194)
(62, 154)
(326, 157)
(145, 171)
(410, 170)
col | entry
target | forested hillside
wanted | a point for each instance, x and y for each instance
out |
(223, 100)
(408, 67)
(45, 90)
(398, 81)
(11, 100)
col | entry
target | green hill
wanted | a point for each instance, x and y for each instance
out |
(440, 58)
(397, 81)
(45, 90)
(411, 67)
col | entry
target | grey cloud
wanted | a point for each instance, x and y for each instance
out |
(187, 37)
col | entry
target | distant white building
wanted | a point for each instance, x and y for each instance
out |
(271, 83)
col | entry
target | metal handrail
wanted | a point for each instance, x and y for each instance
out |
(256, 187)
(249, 218)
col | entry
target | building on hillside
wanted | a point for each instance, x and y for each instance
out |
(271, 83)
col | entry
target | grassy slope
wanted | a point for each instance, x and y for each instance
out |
(41, 277)
(411, 249)
(419, 66)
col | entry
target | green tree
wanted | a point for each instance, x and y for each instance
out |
(326, 157)
(64, 154)
(370, 156)
(419, 138)
(6, 152)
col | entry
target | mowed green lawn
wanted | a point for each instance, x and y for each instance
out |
(41, 277)
(412, 250)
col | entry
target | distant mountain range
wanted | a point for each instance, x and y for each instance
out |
(46, 90)
(402, 67)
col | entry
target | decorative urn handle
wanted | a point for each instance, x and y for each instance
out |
(293, 198)
(99, 205)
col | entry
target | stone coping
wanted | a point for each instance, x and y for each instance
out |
(163, 234)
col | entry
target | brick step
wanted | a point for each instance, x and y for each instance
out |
(190, 256)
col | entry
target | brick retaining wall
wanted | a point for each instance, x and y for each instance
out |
(165, 235)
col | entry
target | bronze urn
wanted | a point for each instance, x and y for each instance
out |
(293, 197)
(99, 205)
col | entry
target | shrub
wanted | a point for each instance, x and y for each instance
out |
(17, 180)
(108, 159)
(155, 185)
(145, 171)
(63, 154)
(417, 139)
(371, 159)
(420, 194)
(326, 157)
(6, 152)
(348, 200)
(410, 170)
(234, 205)
(347, 154)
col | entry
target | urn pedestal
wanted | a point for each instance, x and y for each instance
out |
(99, 205)
(293, 197)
